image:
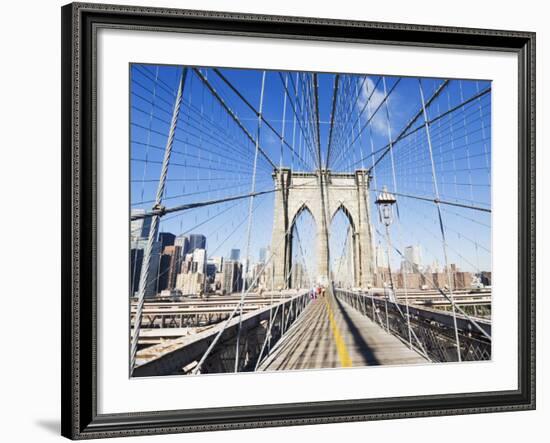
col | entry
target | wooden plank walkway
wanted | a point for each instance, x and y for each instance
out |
(331, 334)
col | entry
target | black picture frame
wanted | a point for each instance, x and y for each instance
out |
(79, 179)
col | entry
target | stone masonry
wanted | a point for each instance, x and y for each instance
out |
(322, 193)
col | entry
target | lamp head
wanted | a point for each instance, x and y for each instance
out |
(385, 202)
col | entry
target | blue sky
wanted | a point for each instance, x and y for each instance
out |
(212, 158)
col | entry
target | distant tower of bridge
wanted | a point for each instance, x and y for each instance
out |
(322, 193)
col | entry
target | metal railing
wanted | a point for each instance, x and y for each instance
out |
(260, 331)
(432, 332)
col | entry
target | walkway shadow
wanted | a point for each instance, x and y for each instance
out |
(357, 336)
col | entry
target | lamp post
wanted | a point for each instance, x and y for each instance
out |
(385, 202)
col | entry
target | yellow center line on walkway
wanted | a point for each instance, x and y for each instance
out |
(343, 354)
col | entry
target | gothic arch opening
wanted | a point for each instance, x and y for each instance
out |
(302, 249)
(342, 248)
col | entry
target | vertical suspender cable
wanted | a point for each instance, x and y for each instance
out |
(403, 273)
(283, 127)
(390, 140)
(249, 227)
(451, 130)
(481, 117)
(293, 135)
(316, 117)
(144, 276)
(441, 225)
(332, 117)
(467, 144)
(147, 146)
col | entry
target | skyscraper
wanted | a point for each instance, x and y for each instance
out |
(217, 262)
(199, 257)
(136, 261)
(413, 259)
(170, 265)
(151, 289)
(262, 255)
(196, 241)
(235, 254)
(139, 233)
(140, 227)
(166, 239)
(183, 242)
(232, 276)
(192, 278)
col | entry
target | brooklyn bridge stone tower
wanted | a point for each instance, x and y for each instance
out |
(323, 193)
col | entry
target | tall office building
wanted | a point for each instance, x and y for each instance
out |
(139, 234)
(166, 239)
(183, 242)
(413, 259)
(151, 290)
(196, 241)
(235, 254)
(140, 227)
(199, 257)
(136, 262)
(217, 262)
(262, 255)
(170, 264)
(232, 276)
(210, 270)
(192, 278)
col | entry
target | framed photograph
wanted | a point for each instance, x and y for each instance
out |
(273, 221)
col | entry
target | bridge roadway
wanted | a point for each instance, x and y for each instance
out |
(331, 334)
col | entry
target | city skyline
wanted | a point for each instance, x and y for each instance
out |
(170, 255)
(411, 263)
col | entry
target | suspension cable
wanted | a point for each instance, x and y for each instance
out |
(144, 277)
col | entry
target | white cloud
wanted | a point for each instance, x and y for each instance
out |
(379, 123)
